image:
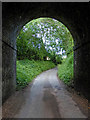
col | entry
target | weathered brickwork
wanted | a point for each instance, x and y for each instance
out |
(73, 15)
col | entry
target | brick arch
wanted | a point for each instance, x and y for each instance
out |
(73, 15)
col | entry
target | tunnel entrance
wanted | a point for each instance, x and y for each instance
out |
(40, 40)
(15, 15)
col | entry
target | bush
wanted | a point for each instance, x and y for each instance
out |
(65, 70)
(27, 70)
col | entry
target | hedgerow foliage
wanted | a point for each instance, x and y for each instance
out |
(65, 70)
(27, 70)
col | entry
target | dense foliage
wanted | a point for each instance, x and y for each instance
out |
(65, 70)
(27, 70)
(44, 37)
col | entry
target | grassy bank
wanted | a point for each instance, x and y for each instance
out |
(65, 70)
(27, 70)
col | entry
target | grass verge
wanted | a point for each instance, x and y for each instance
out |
(65, 70)
(27, 70)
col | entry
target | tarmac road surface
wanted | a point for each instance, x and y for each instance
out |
(46, 97)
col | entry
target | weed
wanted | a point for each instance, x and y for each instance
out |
(65, 70)
(27, 70)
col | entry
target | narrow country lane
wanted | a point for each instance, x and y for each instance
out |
(44, 98)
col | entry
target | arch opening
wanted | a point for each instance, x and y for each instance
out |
(13, 20)
(45, 39)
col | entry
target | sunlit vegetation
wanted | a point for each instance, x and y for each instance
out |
(65, 70)
(27, 70)
(41, 40)
(44, 37)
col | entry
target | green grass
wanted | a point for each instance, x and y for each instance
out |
(27, 70)
(65, 70)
